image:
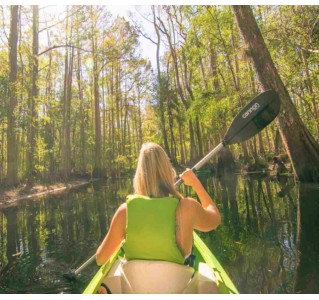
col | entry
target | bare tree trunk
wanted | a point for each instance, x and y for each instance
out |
(98, 139)
(49, 126)
(12, 147)
(33, 97)
(97, 169)
(298, 142)
(182, 152)
(214, 67)
(311, 92)
(82, 120)
(160, 81)
(261, 144)
(140, 132)
(66, 130)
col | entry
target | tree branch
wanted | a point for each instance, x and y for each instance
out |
(311, 50)
(61, 46)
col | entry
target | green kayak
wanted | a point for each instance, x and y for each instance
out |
(207, 275)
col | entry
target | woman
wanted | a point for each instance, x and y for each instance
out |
(147, 215)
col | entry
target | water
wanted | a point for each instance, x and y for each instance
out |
(267, 242)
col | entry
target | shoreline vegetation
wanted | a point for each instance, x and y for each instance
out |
(13, 196)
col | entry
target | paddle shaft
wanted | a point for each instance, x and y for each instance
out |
(88, 262)
(203, 160)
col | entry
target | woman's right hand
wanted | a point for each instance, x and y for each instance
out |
(190, 178)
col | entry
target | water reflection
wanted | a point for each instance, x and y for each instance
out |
(307, 239)
(257, 241)
(41, 239)
(267, 242)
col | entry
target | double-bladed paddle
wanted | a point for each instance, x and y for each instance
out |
(253, 118)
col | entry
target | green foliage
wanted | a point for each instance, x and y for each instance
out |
(205, 79)
(121, 159)
(40, 154)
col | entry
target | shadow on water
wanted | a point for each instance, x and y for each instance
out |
(307, 239)
(267, 242)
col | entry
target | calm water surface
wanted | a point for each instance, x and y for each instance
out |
(267, 242)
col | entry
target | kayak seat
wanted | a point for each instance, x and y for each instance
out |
(159, 277)
(154, 277)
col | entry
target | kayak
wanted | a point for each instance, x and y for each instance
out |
(158, 277)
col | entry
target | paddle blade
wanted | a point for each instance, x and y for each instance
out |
(70, 276)
(255, 116)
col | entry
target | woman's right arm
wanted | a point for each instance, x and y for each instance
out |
(206, 215)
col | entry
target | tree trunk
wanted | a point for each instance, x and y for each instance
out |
(261, 144)
(182, 152)
(98, 139)
(173, 141)
(34, 96)
(175, 63)
(298, 142)
(193, 153)
(160, 81)
(12, 151)
(67, 95)
(199, 138)
(311, 92)
(140, 131)
(97, 169)
(82, 116)
(214, 67)
(49, 126)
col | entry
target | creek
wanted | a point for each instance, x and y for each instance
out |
(267, 242)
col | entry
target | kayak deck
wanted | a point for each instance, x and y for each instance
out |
(203, 255)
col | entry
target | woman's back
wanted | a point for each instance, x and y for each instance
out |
(151, 229)
(154, 178)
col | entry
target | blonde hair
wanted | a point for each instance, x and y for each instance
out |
(154, 175)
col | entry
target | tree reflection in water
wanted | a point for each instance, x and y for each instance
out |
(268, 257)
(267, 242)
(307, 239)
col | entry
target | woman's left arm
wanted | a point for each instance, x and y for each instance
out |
(114, 237)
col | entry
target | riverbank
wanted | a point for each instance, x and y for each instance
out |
(11, 197)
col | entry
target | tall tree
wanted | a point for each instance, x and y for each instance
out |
(66, 110)
(12, 147)
(299, 143)
(97, 169)
(33, 95)
(160, 79)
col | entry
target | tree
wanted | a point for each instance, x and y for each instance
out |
(66, 111)
(33, 95)
(161, 95)
(299, 143)
(12, 147)
(97, 119)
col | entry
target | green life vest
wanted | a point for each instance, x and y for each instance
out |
(151, 229)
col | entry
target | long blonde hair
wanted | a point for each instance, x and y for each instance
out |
(154, 175)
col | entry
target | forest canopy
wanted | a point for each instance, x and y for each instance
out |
(77, 95)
